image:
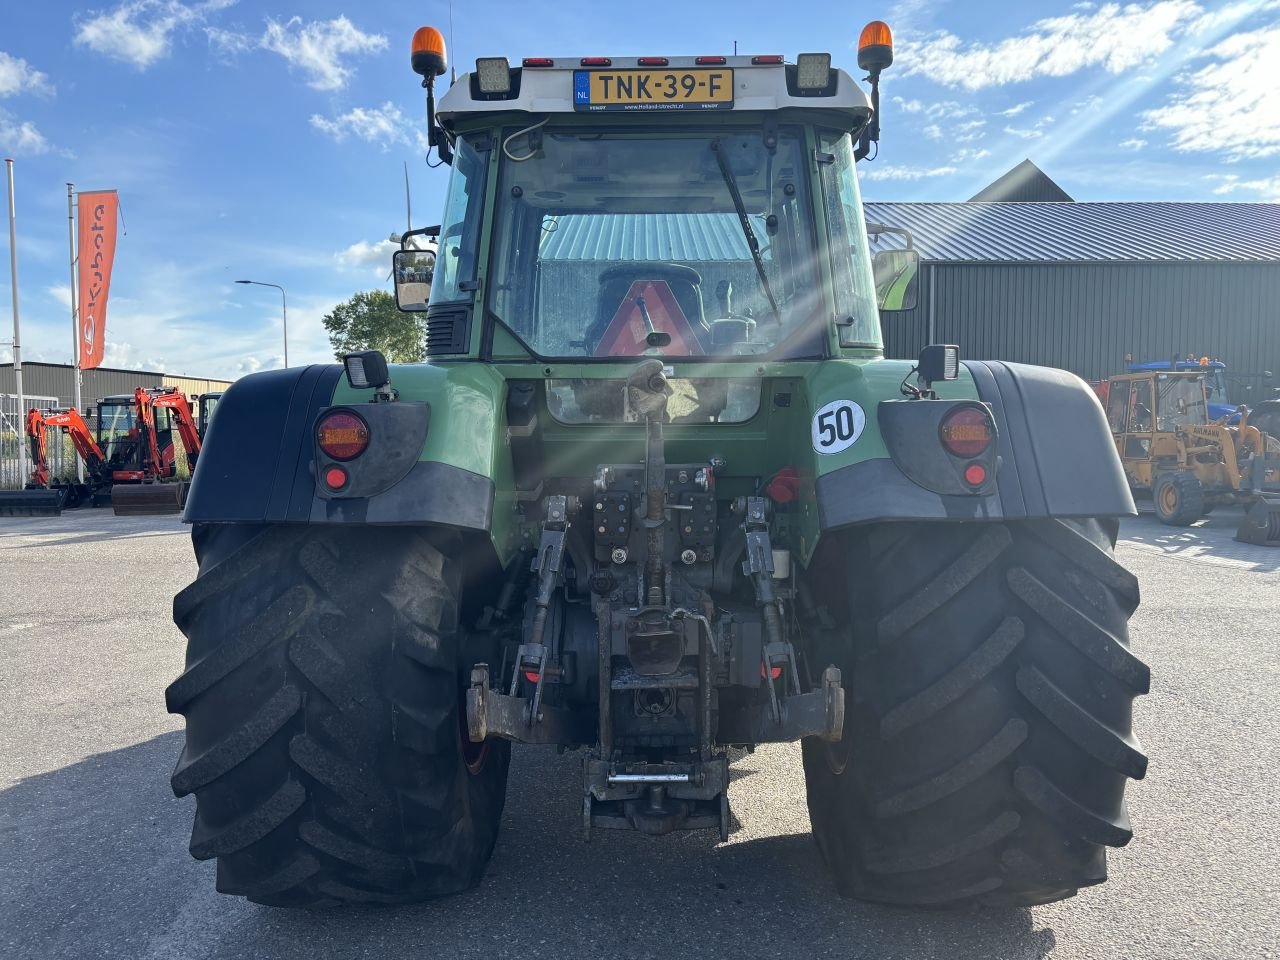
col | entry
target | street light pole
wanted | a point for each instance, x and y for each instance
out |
(20, 422)
(284, 313)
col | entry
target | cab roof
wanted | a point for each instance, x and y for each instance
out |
(550, 89)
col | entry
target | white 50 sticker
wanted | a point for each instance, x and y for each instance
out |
(837, 426)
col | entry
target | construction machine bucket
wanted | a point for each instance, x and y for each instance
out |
(36, 502)
(147, 499)
(1261, 524)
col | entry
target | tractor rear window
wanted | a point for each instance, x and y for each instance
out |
(612, 245)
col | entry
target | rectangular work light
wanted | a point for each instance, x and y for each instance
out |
(813, 71)
(494, 74)
(366, 369)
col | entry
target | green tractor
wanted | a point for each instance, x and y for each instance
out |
(657, 496)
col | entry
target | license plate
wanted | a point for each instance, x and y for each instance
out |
(653, 89)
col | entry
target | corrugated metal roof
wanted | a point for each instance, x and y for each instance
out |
(646, 237)
(1084, 232)
(959, 232)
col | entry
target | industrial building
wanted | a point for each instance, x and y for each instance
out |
(1022, 274)
(57, 380)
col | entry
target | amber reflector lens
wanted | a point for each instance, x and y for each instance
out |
(342, 435)
(975, 474)
(876, 34)
(967, 432)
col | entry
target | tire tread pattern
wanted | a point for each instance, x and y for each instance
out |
(323, 737)
(988, 734)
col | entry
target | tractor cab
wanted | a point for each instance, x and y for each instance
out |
(1146, 410)
(1213, 373)
(605, 209)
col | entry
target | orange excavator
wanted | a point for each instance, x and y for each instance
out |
(145, 469)
(130, 463)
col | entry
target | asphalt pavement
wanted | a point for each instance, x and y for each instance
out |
(93, 859)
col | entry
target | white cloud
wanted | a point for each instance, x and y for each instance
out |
(318, 48)
(363, 255)
(970, 155)
(227, 43)
(908, 106)
(21, 138)
(383, 125)
(1016, 109)
(1025, 133)
(140, 32)
(1133, 143)
(907, 173)
(1112, 38)
(1267, 188)
(18, 76)
(1230, 106)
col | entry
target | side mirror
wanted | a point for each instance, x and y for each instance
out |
(413, 271)
(897, 274)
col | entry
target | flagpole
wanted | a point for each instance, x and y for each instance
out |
(21, 422)
(75, 323)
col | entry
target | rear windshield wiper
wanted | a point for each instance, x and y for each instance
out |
(753, 245)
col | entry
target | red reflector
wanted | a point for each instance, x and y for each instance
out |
(768, 58)
(537, 62)
(652, 61)
(774, 672)
(342, 435)
(975, 474)
(335, 478)
(967, 431)
(531, 676)
(596, 62)
(711, 61)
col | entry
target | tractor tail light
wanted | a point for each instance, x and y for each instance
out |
(967, 431)
(342, 435)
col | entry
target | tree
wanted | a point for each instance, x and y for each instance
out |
(372, 321)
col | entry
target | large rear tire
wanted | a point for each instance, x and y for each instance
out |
(987, 741)
(324, 742)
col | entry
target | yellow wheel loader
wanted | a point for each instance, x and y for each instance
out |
(1188, 463)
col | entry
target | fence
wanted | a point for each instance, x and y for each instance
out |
(13, 434)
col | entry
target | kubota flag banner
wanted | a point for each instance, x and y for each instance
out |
(97, 251)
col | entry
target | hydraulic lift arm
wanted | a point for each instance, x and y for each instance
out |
(186, 423)
(39, 445)
(81, 437)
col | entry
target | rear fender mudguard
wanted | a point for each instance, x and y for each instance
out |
(258, 463)
(1056, 458)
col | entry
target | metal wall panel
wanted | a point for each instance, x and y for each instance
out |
(58, 380)
(1084, 317)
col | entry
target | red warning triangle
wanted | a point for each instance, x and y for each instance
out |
(625, 335)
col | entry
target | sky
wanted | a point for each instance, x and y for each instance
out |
(265, 139)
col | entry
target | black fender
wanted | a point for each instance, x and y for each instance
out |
(258, 463)
(1055, 458)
